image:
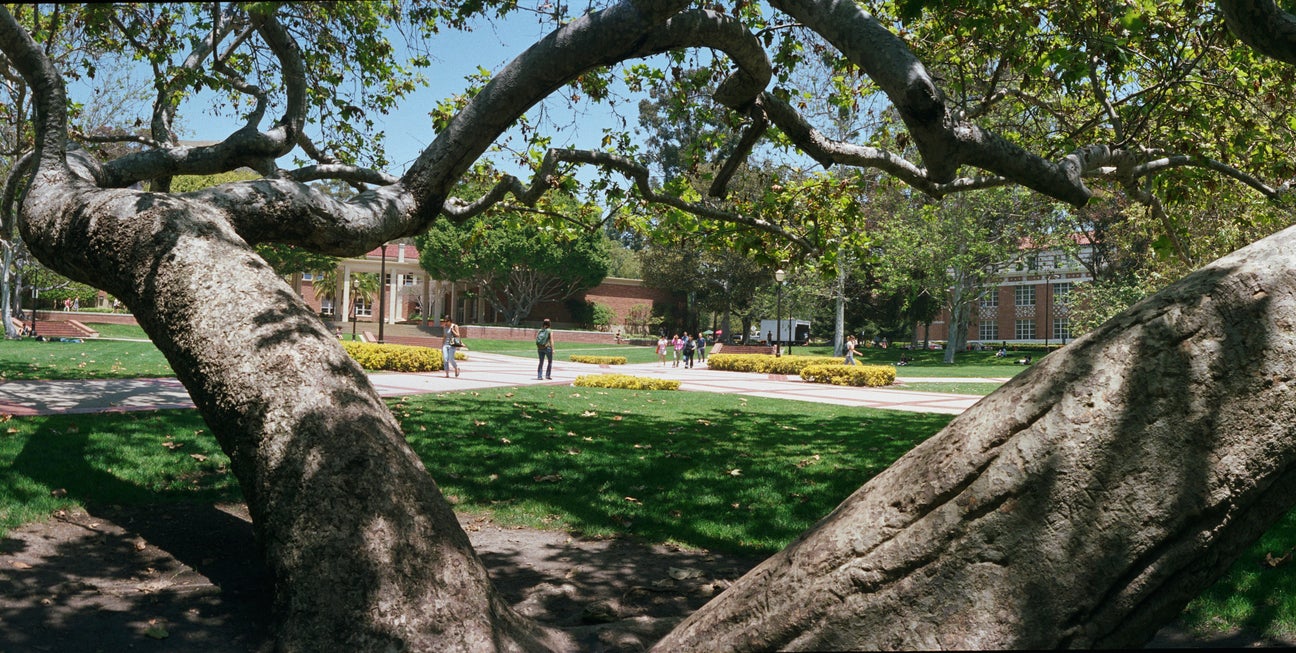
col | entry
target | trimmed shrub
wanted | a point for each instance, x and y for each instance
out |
(598, 360)
(396, 358)
(856, 375)
(624, 382)
(767, 364)
(602, 316)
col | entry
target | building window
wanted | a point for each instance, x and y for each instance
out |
(308, 276)
(1061, 328)
(1024, 295)
(1025, 330)
(988, 330)
(1060, 292)
(363, 308)
(326, 306)
(990, 299)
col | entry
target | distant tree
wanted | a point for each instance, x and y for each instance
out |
(519, 263)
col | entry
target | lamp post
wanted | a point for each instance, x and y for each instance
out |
(35, 296)
(355, 287)
(778, 312)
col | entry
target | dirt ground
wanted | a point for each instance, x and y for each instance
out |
(186, 578)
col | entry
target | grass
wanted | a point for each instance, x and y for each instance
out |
(1255, 594)
(119, 331)
(56, 462)
(714, 471)
(92, 359)
(705, 471)
(954, 387)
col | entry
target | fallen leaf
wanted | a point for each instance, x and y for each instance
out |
(1270, 561)
(633, 500)
(198, 457)
(735, 472)
(616, 418)
(156, 632)
(589, 413)
(547, 478)
(20, 565)
(683, 573)
(59, 493)
(506, 441)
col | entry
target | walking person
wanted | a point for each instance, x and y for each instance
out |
(545, 348)
(689, 346)
(700, 354)
(661, 349)
(677, 343)
(449, 337)
(850, 349)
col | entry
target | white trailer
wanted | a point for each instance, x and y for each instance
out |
(785, 331)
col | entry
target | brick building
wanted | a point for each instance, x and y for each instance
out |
(408, 289)
(1028, 303)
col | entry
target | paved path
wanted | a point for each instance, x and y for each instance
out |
(482, 371)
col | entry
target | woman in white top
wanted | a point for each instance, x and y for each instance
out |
(449, 334)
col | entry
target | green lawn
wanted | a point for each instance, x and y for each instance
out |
(956, 387)
(716, 471)
(90, 359)
(706, 471)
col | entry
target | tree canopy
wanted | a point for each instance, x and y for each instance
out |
(517, 263)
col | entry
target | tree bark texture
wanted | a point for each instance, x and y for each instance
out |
(365, 553)
(1082, 505)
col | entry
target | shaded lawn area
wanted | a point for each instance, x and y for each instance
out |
(711, 471)
(714, 471)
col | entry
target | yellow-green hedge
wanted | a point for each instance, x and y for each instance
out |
(396, 358)
(767, 364)
(858, 375)
(624, 381)
(598, 360)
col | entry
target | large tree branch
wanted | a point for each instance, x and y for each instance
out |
(945, 143)
(246, 147)
(592, 40)
(632, 170)
(1262, 25)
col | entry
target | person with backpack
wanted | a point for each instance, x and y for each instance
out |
(545, 349)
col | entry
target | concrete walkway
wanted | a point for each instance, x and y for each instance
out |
(484, 370)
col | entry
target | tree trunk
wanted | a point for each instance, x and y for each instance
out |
(1082, 505)
(364, 551)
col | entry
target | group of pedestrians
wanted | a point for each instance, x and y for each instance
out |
(451, 341)
(686, 349)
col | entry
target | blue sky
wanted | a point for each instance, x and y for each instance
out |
(456, 55)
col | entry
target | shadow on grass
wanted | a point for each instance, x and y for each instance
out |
(709, 473)
(88, 585)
